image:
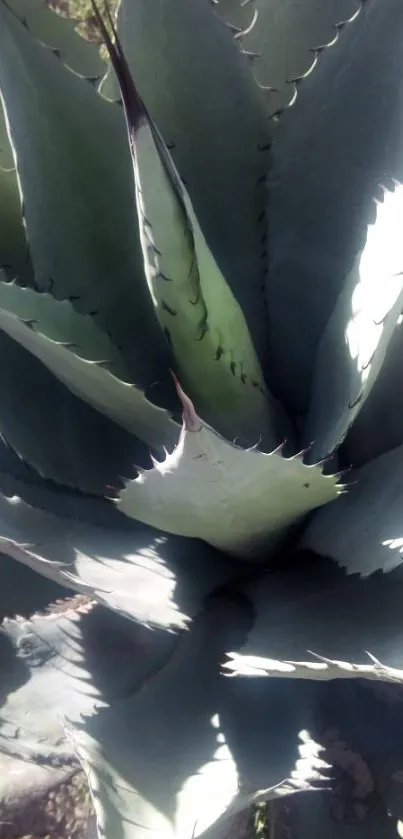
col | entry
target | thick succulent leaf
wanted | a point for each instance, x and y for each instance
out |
(202, 320)
(23, 592)
(160, 761)
(184, 64)
(269, 727)
(241, 501)
(365, 801)
(59, 33)
(285, 39)
(379, 425)
(63, 665)
(343, 137)
(13, 250)
(146, 575)
(78, 200)
(363, 530)
(81, 356)
(84, 58)
(315, 621)
(17, 478)
(64, 435)
(353, 347)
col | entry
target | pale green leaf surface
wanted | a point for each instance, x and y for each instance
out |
(205, 325)
(341, 139)
(353, 347)
(78, 197)
(206, 104)
(151, 577)
(240, 501)
(284, 37)
(80, 355)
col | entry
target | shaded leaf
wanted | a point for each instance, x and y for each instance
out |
(379, 425)
(64, 435)
(78, 199)
(24, 592)
(343, 137)
(82, 356)
(363, 530)
(146, 575)
(353, 347)
(313, 621)
(365, 799)
(128, 749)
(61, 666)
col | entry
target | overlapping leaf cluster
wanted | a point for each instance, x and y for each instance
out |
(200, 307)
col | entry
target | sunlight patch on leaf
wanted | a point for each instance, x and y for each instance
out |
(354, 344)
(240, 501)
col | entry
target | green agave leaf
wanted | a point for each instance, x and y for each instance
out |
(197, 310)
(285, 39)
(184, 65)
(63, 437)
(59, 33)
(81, 356)
(315, 817)
(23, 592)
(378, 428)
(353, 347)
(78, 199)
(371, 535)
(240, 501)
(13, 249)
(18, 478)
(60, 666)
(6, 155)
(315, 621)
(128, 749)
(342, 138)
(148, 576)
(368, 760)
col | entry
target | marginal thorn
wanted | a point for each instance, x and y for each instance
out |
(190, 419)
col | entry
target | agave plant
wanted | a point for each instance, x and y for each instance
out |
(201, 416)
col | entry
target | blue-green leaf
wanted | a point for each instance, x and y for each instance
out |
(343, 137)
(78, 197)
(315, 621)
(128, 749)
(354, 344)
(149, 576)
(285, 39)
(83, 357)
(59, 666)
